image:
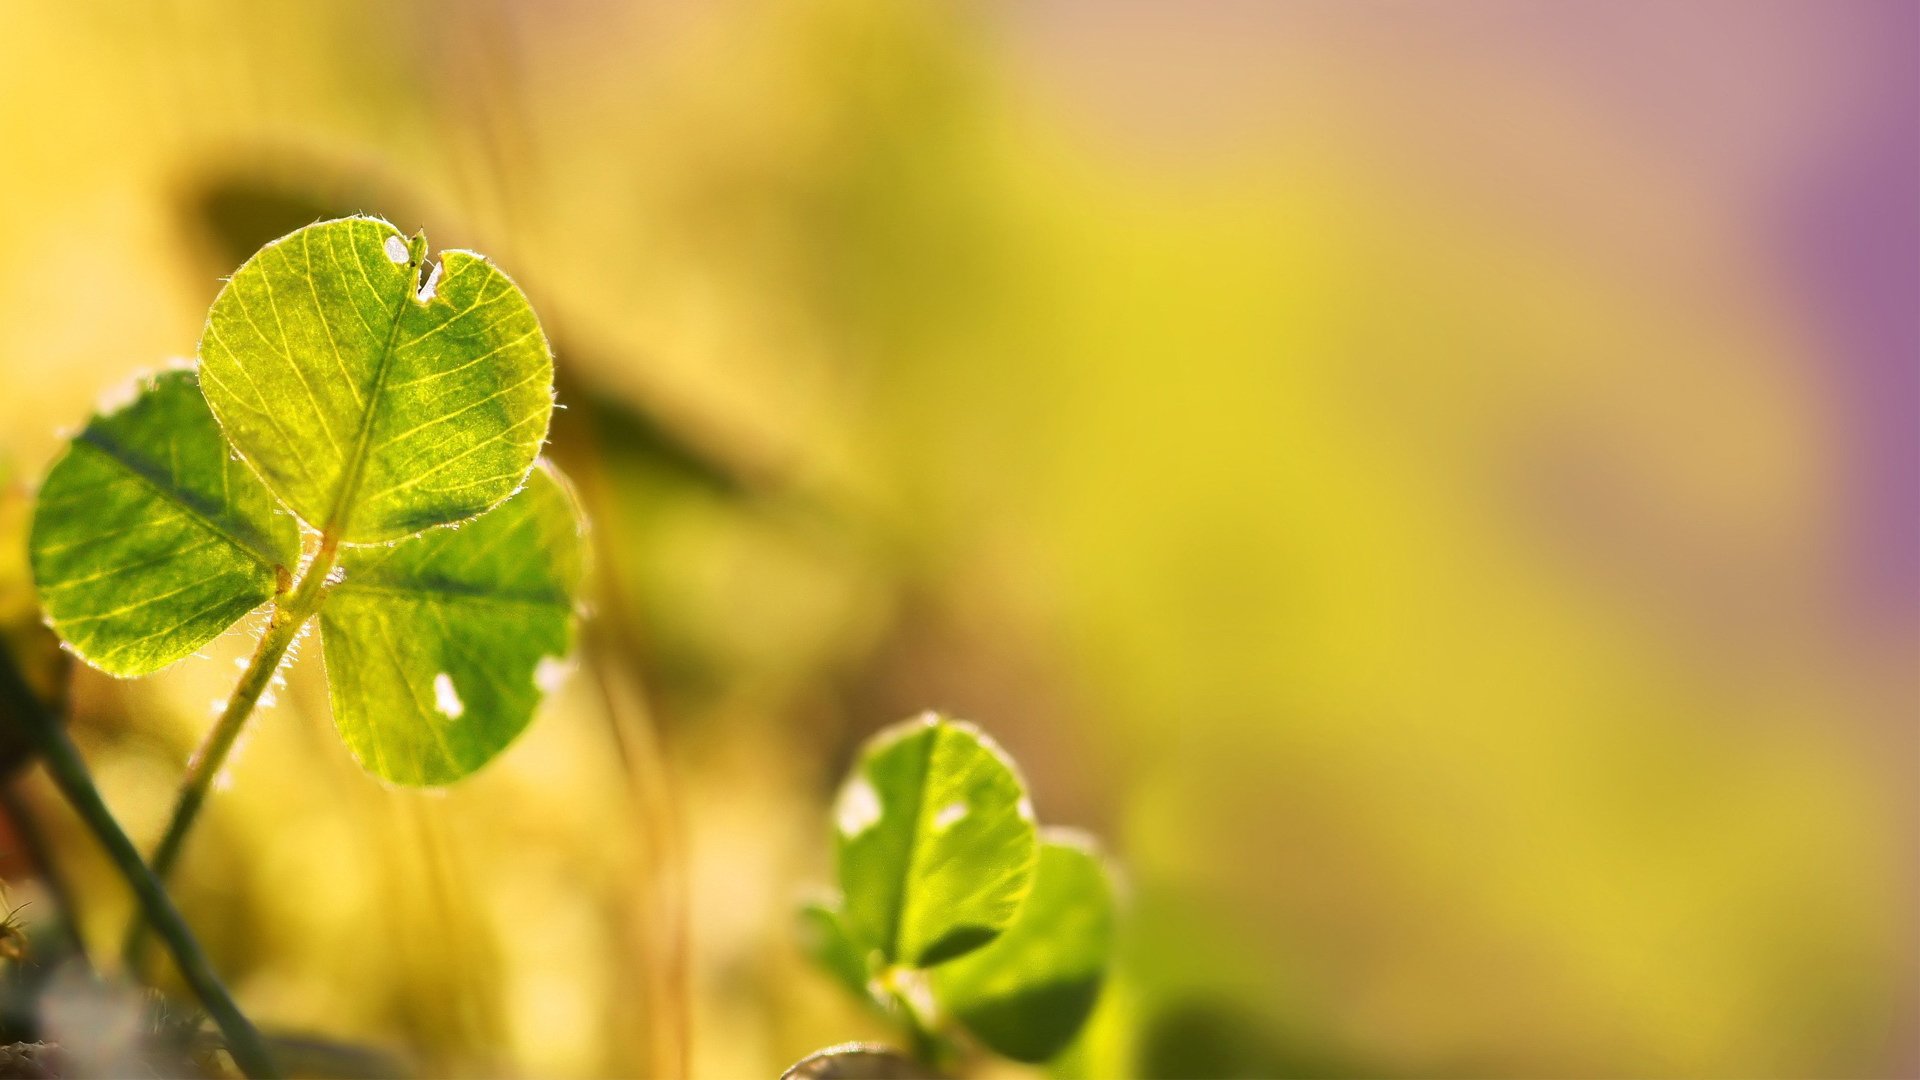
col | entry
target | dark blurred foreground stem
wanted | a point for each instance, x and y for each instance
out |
(69, 774)
(211, 757)
(33, 840)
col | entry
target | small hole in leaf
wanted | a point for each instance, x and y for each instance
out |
(397, 250)
(949, 816)
(445, 698)
(429, 280)
(859, 807)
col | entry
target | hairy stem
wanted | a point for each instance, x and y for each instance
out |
(69, 774)
(211, 756)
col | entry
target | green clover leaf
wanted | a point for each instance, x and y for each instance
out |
(376, 405)
(955, 908)
(1028, 993)
(149, 539)
(337, 389)
(439, 647)
(936, 842)
(824, 937)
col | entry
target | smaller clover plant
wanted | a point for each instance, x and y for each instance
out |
(954, 905)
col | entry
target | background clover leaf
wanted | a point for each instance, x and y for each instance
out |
(149, 538)
(374, 403)
(824, 937)
(936, 842)
(438, 648)
(1028, 993)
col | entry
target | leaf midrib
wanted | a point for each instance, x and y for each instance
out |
(913, 843)
(337, 514)
(112, 452)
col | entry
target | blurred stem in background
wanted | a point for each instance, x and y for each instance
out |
(70, 775)
(32, 836)
(669, 986)
(610, 647)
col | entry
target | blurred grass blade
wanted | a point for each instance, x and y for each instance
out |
(936, 841)
(376, 403)
(439, 648)
(149, 539)
(1028, 993)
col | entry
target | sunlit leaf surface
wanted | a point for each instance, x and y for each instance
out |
(438, 648)
(936, 841)
(149, 538)
(1027, 994)
(375, 401)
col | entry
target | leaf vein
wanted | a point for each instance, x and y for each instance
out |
(320, 313)
(463, 410)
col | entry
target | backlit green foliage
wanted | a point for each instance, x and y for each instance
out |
(373, 403)
(149, 538)
(439, 648)
(350, 387)
(1027, 994)
(954, 904)
(936, 842)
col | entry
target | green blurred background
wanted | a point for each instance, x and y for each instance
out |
(1432, 486)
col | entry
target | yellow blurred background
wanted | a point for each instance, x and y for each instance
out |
(1433, 487)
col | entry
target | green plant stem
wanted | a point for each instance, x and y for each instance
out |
(904, 991)
(69, 773)
(207, 761)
